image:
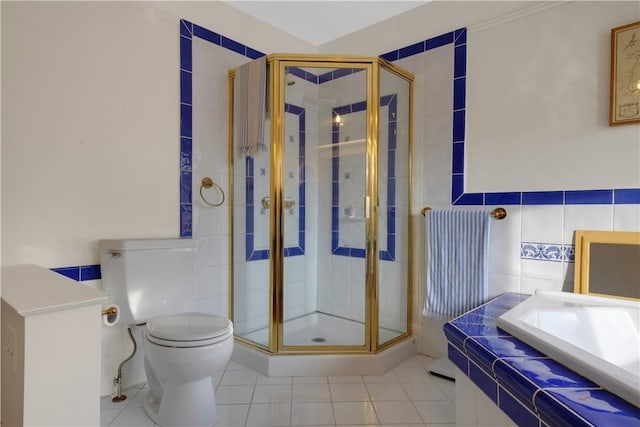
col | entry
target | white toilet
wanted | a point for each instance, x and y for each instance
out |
(151, 282)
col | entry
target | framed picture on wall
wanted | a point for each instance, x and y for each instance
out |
(625, 75)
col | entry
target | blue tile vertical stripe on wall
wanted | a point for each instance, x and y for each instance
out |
(251, 253)
(390, 101)
(186, 123)
(188, 30)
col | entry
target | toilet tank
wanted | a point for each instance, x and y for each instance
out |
(147, 278)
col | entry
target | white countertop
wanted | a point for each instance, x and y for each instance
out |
(31, 289)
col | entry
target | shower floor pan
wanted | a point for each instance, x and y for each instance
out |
(336, 331)
(321, 329)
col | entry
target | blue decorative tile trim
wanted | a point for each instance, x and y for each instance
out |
(458, 358)
(90, 272)
(253, 254)
(557, 252)
(543, 198)
(80, 273)
(186, 149)
(626, 196)
(597, 406)
(388, 254)
(70, 272)
(532, 389)
(208, 35)
(458, 196)
(459, 39)
(484, 381)
(515, 409)
(188, 30)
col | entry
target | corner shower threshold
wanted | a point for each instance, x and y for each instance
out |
(279, 365)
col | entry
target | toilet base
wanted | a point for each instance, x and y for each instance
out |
(189, 404)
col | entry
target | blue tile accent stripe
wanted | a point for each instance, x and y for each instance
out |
(458, 195)
(391, 101)
(531, 388)
(458, 38)
(80, 273)
(253, 254)
(188, 30)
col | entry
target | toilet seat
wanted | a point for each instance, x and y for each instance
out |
(188, 330)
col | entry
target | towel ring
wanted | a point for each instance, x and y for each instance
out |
(208, 183)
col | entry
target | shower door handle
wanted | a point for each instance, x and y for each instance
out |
(367, 207)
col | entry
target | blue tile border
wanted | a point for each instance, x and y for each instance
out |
(459, 197)
(188, 31)
(388, 254)
(458, 38)
(80, 273)
(530, 387)
(260, 254)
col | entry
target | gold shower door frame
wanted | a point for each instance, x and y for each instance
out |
(276, 66)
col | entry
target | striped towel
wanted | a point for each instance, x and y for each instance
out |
(457, 253)
(250, 106)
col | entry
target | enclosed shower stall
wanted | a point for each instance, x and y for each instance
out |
(321, 233)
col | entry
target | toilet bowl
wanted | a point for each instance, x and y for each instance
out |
(182, 352)
(151, 280)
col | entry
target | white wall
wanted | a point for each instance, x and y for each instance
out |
(538, 102)
(90, 136)
(91, 121)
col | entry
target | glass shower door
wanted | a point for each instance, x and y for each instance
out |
(324, 227)
(394, 162)
(251, 239)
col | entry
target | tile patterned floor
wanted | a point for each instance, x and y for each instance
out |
(404, 396)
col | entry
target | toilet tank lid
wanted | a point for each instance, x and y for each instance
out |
(141, 244)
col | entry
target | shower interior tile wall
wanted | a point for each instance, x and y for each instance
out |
(341, 285)
(317, 280)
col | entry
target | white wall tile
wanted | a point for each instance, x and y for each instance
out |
(626, 217)
(542, 269)
(542, 223)
(504, 256)
(502, 283)
(529, 285)
(586, 217)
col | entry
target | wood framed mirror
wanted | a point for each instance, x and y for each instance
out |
(607, 263)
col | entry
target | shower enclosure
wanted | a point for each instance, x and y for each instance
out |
(321, 232)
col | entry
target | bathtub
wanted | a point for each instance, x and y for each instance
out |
(597, 337)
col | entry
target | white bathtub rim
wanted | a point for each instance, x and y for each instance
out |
(602, 372)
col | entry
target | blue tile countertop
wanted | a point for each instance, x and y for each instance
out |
(531, 388)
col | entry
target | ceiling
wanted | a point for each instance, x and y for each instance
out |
(317, 21)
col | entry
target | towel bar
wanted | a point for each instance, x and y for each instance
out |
(497, 213)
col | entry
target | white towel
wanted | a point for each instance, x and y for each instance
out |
(457, 252)
(249, 106)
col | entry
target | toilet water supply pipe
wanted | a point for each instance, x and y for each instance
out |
(117, 381)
